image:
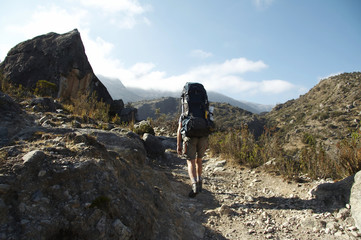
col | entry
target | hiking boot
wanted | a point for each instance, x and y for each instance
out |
(199, 186)
(193, 192)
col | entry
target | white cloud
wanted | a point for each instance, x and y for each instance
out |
(198, 53)
(233, 66)
(221, 77)
(121, 13)
(275, 86)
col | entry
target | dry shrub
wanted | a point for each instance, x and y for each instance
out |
(17, 92)
(316, 163)
(86, 105)
(350, 154)
(238, 146)
(167, 122)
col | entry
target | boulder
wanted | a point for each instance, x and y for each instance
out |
(129, 146)
(334, 195)
(7, 104)
(169, 142)
(34, 157)
(153, 145)
(56, 58)
(44, 104)
(126, 114)
(355, 200)
(116, 107)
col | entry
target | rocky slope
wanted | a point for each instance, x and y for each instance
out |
(329, 112)
(62, 182)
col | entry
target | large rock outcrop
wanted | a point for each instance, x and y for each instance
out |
(355, 200)
(56, 58)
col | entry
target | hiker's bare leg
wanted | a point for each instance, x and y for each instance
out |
(192, 170)
(199, 167)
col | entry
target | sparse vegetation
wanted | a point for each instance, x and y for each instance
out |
(19, 93)
(240, 147)
(235, 140)
(86, 105)
(350, 153)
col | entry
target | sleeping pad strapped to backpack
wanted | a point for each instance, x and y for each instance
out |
(195, 111)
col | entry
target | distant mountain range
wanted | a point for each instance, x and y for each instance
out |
(118, 91)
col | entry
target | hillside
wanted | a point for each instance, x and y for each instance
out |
(226, 116)
(117, 90)
(154, 108)
(329, 112)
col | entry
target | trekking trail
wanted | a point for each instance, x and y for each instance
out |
(243, 203)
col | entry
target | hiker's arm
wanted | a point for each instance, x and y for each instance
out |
(179, 139)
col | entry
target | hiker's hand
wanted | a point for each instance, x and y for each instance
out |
(179, 149)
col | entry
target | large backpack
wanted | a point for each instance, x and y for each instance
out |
(195, 111)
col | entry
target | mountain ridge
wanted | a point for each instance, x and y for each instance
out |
(130, 94)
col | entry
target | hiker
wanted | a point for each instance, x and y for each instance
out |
(193, 130)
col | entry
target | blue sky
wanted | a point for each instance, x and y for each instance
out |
(263, 51)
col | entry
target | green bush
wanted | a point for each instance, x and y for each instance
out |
(45, 89)
(239, 146)
(143, 127)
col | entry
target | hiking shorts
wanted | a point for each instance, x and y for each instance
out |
(195, 147)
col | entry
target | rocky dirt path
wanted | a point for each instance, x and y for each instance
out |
(242, 203)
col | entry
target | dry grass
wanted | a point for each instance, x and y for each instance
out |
(86, 105)
(350, 153)
(240, 147)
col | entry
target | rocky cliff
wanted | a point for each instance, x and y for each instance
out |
(56, 58)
